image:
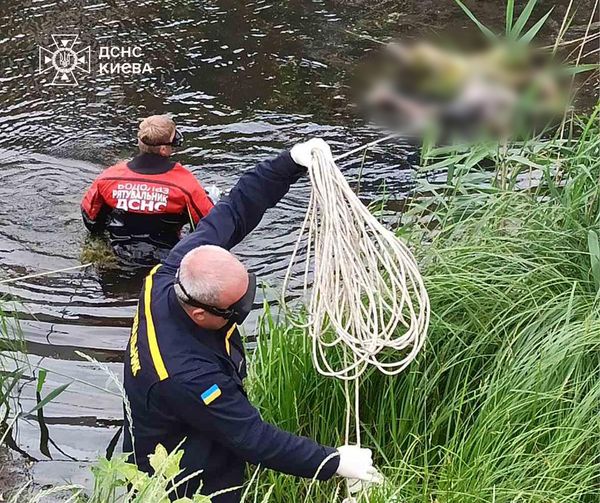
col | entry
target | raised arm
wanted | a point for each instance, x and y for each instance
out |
(237, 214)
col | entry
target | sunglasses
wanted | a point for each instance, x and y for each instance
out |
(236, 312)
(177, 141)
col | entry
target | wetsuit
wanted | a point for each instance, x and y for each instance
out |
(185, 383)
(143, 204)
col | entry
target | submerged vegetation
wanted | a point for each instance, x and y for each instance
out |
(98, 252)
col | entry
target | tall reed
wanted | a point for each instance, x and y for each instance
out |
(11, 342)
(504, 403)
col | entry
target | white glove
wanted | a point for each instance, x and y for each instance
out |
(302, 152)
(214, 193)
(357, 464)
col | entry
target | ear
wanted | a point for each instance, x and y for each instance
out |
(199, 315)
(165, 150)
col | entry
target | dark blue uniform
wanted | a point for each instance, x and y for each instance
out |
(184, 383)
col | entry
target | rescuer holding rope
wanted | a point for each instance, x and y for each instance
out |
(185, 362)
(144, 203)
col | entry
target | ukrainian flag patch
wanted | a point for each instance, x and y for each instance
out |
(211, 394)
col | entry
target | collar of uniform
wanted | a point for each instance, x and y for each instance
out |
(150, 164)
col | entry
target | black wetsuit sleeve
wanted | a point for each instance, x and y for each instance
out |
(238, 213)
(231, 420)
(97, 226)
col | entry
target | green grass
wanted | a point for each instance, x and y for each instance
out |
(503, 404)
(11, 341)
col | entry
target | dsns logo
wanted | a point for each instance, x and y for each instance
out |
(64, 60)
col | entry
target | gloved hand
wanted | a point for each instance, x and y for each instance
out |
(357, 464)
(302, 152)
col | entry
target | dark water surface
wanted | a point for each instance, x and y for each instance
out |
(242, 80)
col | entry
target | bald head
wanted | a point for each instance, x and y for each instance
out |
(213, 276)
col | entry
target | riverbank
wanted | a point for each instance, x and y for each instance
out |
(503, 403)
(445, 18)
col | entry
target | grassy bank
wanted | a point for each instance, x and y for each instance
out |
(504, 403)
(12, 472)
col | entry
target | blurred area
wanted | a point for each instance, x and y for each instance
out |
(507, 86)
(496, 93)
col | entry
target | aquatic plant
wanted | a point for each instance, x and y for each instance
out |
(97, 251)
(11, 341)
(12, 374)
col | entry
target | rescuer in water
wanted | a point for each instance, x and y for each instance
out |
(144, 203)
(185, 363)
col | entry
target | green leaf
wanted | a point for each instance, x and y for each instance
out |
(173, 465)
(522, 19)
(448, 161)
(165, 463)
(510, 8)
(525, 161)
(11, 379)
(528, 37)
(484, 29)
(159, 457)
(41, 379)
(575, 69)
(49, 397)
(594, 249)
(129, 471)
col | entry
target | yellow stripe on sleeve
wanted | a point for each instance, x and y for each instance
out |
(159, 365)
(134, 355)
(227, 337)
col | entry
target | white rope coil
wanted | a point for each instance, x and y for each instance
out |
(368, 304)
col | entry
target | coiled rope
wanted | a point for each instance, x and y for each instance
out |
(368, 305)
